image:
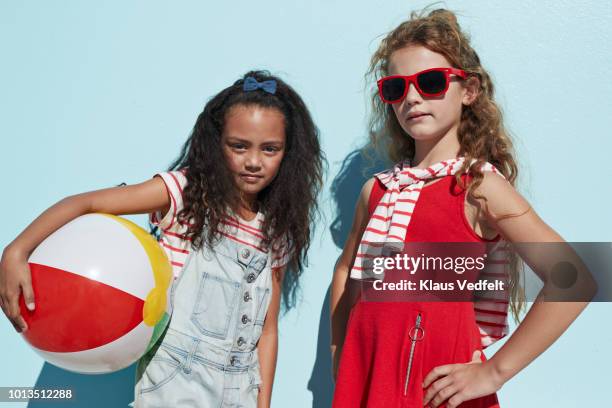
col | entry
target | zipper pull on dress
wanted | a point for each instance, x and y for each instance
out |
(416, 334)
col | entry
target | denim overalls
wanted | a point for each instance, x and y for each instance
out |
(208, 355)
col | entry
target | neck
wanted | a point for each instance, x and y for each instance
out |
(428, 152)
(247, 207)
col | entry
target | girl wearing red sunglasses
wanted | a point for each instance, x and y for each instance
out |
(454, 182)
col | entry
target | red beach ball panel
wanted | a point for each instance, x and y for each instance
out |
(75, 313)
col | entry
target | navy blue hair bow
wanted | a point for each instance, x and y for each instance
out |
(251, 84)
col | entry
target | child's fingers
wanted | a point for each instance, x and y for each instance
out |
(19, 324)
(14, 313)
(22, 323)
(15, 326)
(4, 306)
(436, 373)
(436, 389)
(28, 295)
(444, 395)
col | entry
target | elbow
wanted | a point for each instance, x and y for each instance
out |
(589, 286)
(592, 289)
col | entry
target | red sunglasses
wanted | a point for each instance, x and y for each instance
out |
(430, 82)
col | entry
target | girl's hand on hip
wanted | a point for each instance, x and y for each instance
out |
(15, 277)
(456, 383)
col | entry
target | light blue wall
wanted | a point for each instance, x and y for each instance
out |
(94, 94)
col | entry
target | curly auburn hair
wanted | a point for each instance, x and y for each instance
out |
(288, 202)
(481, 133)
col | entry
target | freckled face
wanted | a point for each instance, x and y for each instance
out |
(253, 143)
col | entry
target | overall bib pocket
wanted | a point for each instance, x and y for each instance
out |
(214, 306)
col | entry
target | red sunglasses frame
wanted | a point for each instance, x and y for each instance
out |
(412, 79)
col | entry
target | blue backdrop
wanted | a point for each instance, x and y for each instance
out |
(95, 94)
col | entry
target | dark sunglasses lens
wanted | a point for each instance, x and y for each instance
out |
(393, 89)
(432, 82)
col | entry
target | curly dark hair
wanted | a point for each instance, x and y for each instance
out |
(288, 202)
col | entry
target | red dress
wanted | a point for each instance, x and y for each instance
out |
(374, 361)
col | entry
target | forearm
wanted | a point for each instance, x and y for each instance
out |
(549, 315)
(541, 327)
(339, 307)
(267, 350)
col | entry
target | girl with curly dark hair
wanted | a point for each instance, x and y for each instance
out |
(234, 214)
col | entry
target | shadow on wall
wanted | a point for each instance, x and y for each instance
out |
(359, 166)
(356, 169)
(91, 391)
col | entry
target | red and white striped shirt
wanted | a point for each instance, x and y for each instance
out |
(491, 307)
(173, 236)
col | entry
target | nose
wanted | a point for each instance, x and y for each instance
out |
(253, 162)
(412, 95)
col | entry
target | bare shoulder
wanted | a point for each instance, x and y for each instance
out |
(366, 189)
(510, 214)
(500, 197)
(364, 196)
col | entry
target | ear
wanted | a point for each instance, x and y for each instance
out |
(471, 87)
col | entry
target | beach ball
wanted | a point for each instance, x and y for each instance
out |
(101, 285)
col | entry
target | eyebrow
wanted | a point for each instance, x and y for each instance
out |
(238, 139)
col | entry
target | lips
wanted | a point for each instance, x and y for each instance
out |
(416, 115)
(250, 178)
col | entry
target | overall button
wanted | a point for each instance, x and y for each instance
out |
(187, 370)
(241, 341)
(233, 361)
(250, 277)
(244, 253)
(245, 319)
(246, 296)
